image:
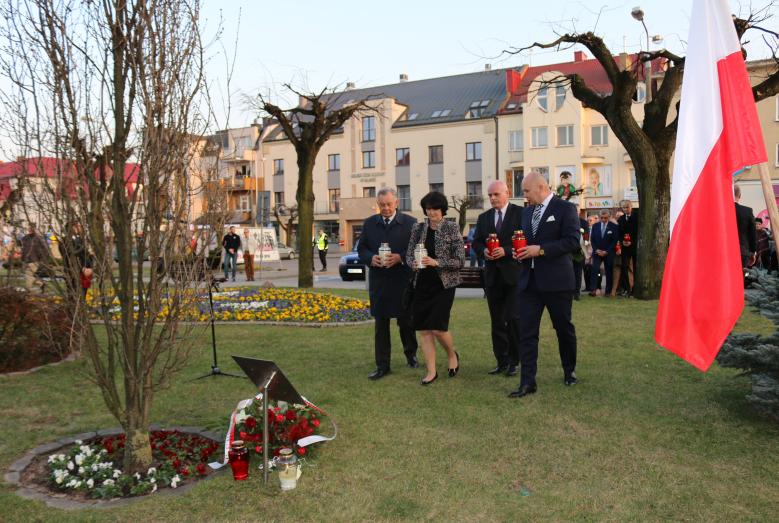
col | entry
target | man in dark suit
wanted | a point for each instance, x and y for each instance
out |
(604, 237)
(628, 225)
(747, 236)
(578, 256)
(500, 275)
(546, 279)
(387, 278)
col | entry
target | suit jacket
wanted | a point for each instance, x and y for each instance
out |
(385, 286)
(506, 269)
(604, 242)
(629, 226)
(558, 235)
(747, 234)
(449, 250)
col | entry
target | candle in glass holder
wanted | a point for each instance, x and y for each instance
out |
(238, 456)
(492, 243)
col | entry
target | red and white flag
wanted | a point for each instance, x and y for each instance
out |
(719, 133)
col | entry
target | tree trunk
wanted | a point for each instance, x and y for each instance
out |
(654, 193)
(305, 200)
(137, 447)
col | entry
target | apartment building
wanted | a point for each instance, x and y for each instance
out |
(456, 134)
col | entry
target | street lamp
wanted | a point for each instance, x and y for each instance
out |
(638, 14)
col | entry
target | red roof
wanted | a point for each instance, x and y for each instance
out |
(52, 167)
(592, 72)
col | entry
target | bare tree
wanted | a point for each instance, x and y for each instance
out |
(308, 127)
(650, 143)
(461, 204)
(113, 92)
(279, 211)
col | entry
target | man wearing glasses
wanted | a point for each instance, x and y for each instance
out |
(628, 235)
(604, 240)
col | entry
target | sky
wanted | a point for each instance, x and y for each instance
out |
(312, 44)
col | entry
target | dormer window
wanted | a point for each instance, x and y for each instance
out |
(542, 97)
(412, 116)
(477, 108)
(440, 113)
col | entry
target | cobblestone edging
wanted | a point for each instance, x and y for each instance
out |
(61, 501)
(71, 357)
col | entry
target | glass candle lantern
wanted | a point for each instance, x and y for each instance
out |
(289, 469)
(238, 456)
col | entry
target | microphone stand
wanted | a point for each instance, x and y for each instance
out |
(215, 370)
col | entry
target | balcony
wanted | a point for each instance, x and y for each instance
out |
(326, 207)
(240, 183)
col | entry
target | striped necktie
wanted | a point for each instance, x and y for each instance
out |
(536, 218)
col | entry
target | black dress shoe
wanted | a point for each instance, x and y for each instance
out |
(500, 369)
(570, 379)
(423, 382)
(378, 374)
(523, 391)
(511, 370)
(412, 362)
(453, 372)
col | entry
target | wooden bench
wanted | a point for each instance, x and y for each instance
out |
(471, 278)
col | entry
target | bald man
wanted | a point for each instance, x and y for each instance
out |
(500, 276)
(546, 279)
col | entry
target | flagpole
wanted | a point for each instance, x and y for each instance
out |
(770, 198)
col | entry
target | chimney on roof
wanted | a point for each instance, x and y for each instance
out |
(488, 67)
(350, 85)
(579, 56)
(403, 77)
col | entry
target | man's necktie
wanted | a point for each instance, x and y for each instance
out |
(536, 218)
(386, 222)
(499, 224)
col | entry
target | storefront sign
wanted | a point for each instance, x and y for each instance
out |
(599, 203)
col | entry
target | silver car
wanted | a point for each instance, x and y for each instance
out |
(286, 253)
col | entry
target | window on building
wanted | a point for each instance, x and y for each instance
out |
(225, 138)
(473, 152)
(440, 113)
(543, 171)
(473, 191)
(278, 199)
(599, 135)
(542, 97)
(511, 106)
(244, 204)
(241, 144)
(368, 159)
(634, 183)
(334, 199)
(412, 116)
(519, 175)
(640, 95)
(278, 167)
(559, 96)
(564, 135)
(369, 192)
(404, 197)
(477, 108)
(333, 162)
(402, 156)
(436, 154)
(368, 128)
(539, 137)
(516, 141)
(437, 187)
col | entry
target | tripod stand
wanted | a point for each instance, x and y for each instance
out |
(215, 370)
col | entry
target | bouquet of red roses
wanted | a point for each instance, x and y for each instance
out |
(287, 425)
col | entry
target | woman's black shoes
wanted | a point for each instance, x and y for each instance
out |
(423, 382)
(453, 372)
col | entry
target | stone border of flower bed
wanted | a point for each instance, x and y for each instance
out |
(70, 357)
(16, 468)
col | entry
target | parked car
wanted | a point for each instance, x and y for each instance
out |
(350, 267)
(287, 253)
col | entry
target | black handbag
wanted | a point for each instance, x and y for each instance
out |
(407, 298)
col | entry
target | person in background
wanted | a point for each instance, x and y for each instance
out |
(474, 259)
(435, 282)
(763, 253)
(628, 228)
(604, 241)
(321, 246)
(76, 261)
(250, 247)
(231, 243)
(745, 223)
(35, 253)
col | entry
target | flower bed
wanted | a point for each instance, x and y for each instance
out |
(271, 305)
(93, 469)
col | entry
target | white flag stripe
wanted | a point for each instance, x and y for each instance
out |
(700, 120)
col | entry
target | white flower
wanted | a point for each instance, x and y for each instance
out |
(241, 416)
(94, 467)
(152, 480)
(154, 489)
(70, 465)
(81, 470)
(78, 442)
(108, 483)
(117, 473)
(79, 459)
(90, 483)
(59, 479)
(137, 476)
(151, 471)
(175, 481)
(77, 484)
(52, 458)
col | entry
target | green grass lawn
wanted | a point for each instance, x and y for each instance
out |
(644, 436)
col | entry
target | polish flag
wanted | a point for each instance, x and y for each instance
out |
(719, 133)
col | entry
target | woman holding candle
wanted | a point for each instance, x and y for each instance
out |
(436, 276)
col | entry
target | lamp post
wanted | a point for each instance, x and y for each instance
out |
(638, 14)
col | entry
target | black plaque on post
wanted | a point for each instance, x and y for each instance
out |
(264, 373)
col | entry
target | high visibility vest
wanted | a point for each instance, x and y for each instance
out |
(321, 242)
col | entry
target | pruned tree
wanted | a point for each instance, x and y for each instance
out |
(308, 126)
(461, 204)
(112, 93)
(279, 211)
(650, 143)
